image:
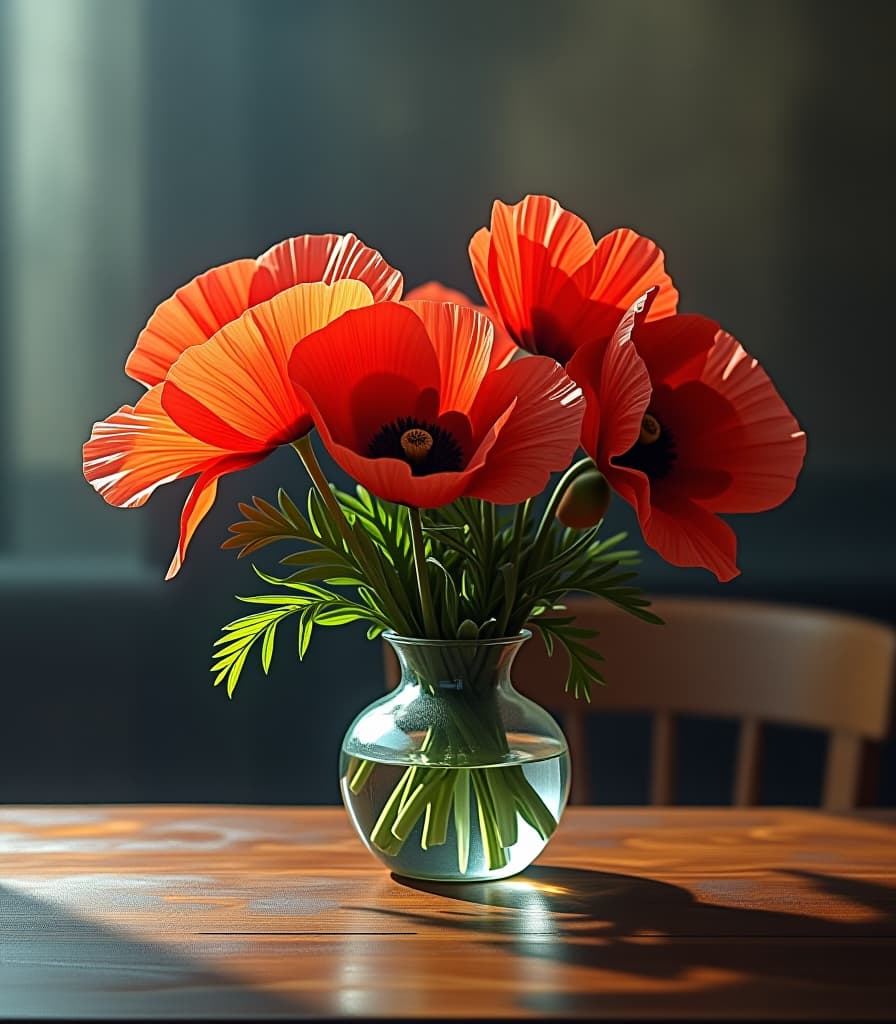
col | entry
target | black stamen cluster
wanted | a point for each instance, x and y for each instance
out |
(656, 459)
(445, 455)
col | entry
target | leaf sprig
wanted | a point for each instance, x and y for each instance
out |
(489, 573)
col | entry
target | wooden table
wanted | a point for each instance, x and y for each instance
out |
(144, 911)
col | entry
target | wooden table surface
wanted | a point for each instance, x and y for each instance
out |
(215, 911)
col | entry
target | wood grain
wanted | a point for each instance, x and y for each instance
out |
(280, 912)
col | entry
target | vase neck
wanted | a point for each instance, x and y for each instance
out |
(443, 668)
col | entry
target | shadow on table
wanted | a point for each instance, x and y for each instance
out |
(54, 964)
(643, 929)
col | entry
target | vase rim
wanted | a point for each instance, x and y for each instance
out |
(422, 641)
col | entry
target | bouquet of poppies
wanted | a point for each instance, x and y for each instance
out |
(460, 423)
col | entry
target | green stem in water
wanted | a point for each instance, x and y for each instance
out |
(462, 822)
(358, 773)
(429, 616)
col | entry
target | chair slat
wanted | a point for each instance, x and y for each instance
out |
(662, 759)
(841, 771)
(574, 725)
(746, 768)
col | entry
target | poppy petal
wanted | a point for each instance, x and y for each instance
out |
(480, 245)
(462, 340)
(616, 386)
(527, 258)
(326, 258)
(235, 391)
(676, 348)
(139, 448)
(626, 264)
(543, 220)
(681, 531)
(687, 534)
(392, 480)
(760, 446)
(191, 316)
(504, 348)
(553, 287)
(537, 439)
(200, 500)
(382, 354)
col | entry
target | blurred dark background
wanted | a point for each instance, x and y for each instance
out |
(146, 140)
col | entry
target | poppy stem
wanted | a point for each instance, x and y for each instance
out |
(520, 519)
(426, 605)
(309, 461)
(392, 602)
(574, 471)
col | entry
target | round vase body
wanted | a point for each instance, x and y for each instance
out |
(454, 775)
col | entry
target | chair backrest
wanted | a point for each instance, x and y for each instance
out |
(722, 657)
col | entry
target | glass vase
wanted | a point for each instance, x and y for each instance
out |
(454, 775)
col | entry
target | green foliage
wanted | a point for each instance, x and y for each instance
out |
(489, 571)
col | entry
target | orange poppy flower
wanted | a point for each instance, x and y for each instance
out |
(552, 286)
(224, 405)
(504, 348)
(410, 401)
(686, 428)
(212, 300)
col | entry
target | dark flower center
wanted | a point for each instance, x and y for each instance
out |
(653, 453)
(425, 447)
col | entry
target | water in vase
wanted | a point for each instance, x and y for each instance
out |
(434, 821)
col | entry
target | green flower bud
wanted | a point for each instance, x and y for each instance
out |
(585, 501)
(468, 630)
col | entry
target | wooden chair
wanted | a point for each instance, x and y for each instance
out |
(728, 658)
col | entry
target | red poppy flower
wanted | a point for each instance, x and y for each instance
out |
(552, 286)
(687, 427)
(224, 405)
(409, 402)
(210, 301)
(504, 348)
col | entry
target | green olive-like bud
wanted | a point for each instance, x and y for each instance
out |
(468, 630)
(585, 501)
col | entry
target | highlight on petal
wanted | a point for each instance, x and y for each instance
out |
(326, 258)
(543, 220)
(504, 348)
(615, 384)
(462, 340)
(235, 391)
(189, 317)
(216, 298)
(537, 439)
(760, 446)
(626, 264)
(139, 448)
